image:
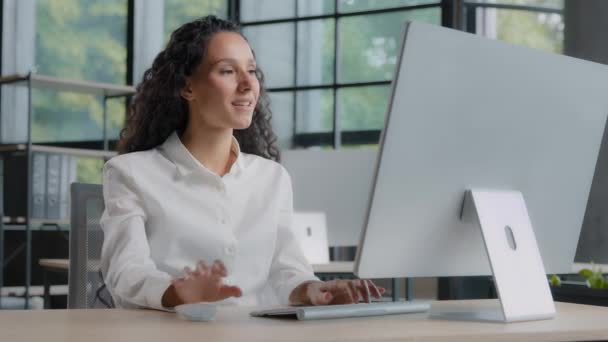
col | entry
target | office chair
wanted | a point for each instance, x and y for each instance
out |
(86, 288)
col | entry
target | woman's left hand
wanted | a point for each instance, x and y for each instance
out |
(339, 291)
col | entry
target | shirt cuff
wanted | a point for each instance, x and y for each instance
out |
(156, 289)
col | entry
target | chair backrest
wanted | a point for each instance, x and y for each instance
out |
(85, 283)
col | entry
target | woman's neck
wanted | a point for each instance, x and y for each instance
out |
(211, 147)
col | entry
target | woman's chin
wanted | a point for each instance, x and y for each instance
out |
(242, 124)
(240, 119)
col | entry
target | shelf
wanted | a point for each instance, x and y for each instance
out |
(87, 87)
(18, 224)
(35, 290)
(39, 224)
(80, 152)
(13, 220)
(22, 181)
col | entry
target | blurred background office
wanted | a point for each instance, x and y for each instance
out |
(68, 69)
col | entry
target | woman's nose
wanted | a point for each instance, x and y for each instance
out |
(246, 81)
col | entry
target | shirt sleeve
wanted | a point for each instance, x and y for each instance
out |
(129, 272)
(289, 267)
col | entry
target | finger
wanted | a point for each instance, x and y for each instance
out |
(349, 293)
(214, 270)
(363, 286)
(326, 286)
(344, 293)
(219, 268)
(355, 293)
(188, 272)
(334, 285)
(318, 296)
(373, 288)
(227, 291)
(202, 267)
(321, 298)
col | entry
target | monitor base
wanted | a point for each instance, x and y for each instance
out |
(517, 267)
(481, 310)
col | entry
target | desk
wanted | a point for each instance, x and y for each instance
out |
(58, 266)
(62, 264)
(573, 322)
(51, 265)
(335, 267)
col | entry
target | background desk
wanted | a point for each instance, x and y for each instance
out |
(573, 322)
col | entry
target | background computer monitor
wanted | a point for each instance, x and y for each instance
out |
(335, 182)
(468, 112)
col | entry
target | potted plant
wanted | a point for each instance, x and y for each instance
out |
(593, 291)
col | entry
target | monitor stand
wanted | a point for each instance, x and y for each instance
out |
(515, 261)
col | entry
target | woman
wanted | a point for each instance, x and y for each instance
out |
(197, 208)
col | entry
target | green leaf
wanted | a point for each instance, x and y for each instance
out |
(596, 281)
(586, 273)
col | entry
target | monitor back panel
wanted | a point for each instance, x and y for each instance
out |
(469, 112)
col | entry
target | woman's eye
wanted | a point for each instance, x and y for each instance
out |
(252, 71)
(226, 72)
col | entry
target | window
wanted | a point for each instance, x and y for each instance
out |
(87, 40)
(178, 12)
(82, 40)
(533, 23)
(328, 64)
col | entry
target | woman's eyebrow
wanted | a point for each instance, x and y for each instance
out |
(233, 61)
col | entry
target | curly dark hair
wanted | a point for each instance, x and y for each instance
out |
(158, 108)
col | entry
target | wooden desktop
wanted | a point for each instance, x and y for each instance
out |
(573, 322)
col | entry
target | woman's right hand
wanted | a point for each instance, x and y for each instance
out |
(203, 284)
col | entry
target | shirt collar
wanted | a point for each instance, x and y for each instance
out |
(185, 161)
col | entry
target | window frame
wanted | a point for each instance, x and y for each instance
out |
(337, 138)
(232, 6)
(469, 12)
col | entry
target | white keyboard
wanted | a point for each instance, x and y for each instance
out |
(346, 310)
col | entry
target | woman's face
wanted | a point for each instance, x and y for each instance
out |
(223, 91)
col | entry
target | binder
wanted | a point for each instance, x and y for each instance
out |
(38, 185)
(2, 212)
(73, 171)
(64, 187)
(52, 186)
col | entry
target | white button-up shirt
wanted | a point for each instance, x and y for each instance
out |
(164, 211)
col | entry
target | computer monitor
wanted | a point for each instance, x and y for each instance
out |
(465, 113)
(335, 182)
